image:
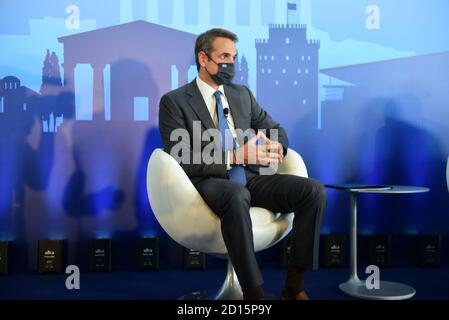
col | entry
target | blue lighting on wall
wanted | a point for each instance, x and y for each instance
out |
(79, 100)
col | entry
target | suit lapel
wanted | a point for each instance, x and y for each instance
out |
(236, 110)
(235, 106)
(198, 105)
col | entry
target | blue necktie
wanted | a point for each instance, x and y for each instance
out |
(236, 173)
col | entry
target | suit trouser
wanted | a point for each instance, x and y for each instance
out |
(278, 193)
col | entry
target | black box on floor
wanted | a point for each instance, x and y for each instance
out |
(194, 259)
(333, 250)
(285, 251)
(148, 254)
(100, 255)
(427, 250)
(378, 250)
(50, 256)
(4, 257)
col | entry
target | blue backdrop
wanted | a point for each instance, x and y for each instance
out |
(360, 86)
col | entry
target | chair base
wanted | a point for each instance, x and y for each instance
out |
(211, 295)
(230, 290)
(198, 295)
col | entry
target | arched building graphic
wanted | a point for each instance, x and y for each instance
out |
(140, 54)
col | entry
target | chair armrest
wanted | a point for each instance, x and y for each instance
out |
(293, 164)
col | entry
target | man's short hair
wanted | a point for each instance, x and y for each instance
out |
(205, 41)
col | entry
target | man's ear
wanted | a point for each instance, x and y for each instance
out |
(202, 58)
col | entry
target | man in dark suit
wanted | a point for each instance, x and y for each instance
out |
(233, 182)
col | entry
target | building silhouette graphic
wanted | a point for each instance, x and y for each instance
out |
(15, 99)
(287, 75)
(140, 54)
(50, 105)
(385, 79)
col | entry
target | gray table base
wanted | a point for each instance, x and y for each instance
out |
(356, 287)
(387, 290)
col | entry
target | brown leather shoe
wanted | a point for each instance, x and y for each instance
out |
(299, 296)
(256, 293)
(302, 296)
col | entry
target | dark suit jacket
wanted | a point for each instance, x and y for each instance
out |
(180, 107)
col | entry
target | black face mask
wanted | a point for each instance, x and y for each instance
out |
(225, 74)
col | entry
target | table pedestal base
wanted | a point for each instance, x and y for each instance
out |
(387, 291)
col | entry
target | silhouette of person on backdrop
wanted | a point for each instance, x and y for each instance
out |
(102, 191)
(405, 152)
(21, 164)
(232, 186)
